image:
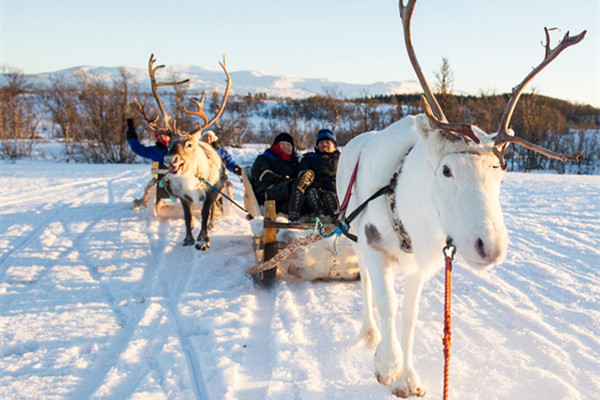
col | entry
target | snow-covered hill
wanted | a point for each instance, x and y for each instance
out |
(243, 82)
(100, 302)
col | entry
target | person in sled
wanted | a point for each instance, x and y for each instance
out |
(211, 138)
(156, 153)
(315, 185)
(274, 172)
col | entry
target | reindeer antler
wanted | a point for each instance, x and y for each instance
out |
(503, 139)
(200, 104)
(432, 107)
(465, 130)
(166, 118)
(406, 13)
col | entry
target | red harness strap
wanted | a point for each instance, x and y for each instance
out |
(349, 190)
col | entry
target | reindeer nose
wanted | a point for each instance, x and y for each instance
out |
(480, 248)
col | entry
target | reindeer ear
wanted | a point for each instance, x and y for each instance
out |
(434, 140)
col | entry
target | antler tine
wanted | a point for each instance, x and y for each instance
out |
(200, 112)
(465, 130)
(406, 15)
(503, 139)
(550, 55)
(220, 108)
(155, 85)
(151, 122)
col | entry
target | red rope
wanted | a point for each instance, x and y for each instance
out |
(349, 190)
(447, 340)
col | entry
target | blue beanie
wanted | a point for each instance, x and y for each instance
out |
(326, 134)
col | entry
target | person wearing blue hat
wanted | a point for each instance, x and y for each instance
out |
(315, 185)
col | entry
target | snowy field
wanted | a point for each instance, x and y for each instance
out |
(100, 302)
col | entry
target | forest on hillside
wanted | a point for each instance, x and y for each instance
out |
(89, 115)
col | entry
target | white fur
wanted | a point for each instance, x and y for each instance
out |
(194, 160)
(432, 207)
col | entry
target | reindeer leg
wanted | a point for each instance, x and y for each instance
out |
(188, 206)
(409, 383)
(203, 241)
(388, 354)
(368, 330)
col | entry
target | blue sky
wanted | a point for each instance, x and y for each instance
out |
(491, 45)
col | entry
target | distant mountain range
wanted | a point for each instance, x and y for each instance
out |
(243, 82)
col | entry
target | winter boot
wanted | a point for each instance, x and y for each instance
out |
(330, 202)
(295, 204)
(313, 199)
(297, 196)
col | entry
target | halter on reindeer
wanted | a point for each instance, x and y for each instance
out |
(196, 173)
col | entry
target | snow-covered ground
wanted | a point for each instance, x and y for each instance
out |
(100, 302)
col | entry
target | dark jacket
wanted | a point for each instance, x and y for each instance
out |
(324, 165)
(155, 153)
(269, 169)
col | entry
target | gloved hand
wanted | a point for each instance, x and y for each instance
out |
(131, 134)
(237, 170)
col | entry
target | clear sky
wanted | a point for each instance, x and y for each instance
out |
(491, 44)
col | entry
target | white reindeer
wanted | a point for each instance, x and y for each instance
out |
(196, 171)
(446, 181)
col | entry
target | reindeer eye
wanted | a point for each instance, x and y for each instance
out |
(188, 146)
(446, 171)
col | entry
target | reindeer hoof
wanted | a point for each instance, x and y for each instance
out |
(189, 242)
(204, 245)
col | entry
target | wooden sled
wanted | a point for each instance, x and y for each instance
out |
(267, 246)
(157, 173)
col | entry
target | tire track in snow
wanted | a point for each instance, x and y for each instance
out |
(28, 239)
(296, 368)
(142, 313)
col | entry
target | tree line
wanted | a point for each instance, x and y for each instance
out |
(89, 114)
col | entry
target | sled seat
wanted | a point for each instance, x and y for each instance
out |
(158, 171)
(250, 202)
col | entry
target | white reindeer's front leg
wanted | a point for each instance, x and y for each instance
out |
(388, 355)
(368, 331)
(409, 383)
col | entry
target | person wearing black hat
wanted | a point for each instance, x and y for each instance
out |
(316, 182)
(274, 171)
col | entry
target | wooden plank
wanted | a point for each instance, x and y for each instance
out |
(270, 245)
(288, 225)
(270, 214)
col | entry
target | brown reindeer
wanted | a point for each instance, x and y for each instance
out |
(196, 172)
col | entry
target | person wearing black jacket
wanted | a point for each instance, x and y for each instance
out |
(274, 172)
(316, 182)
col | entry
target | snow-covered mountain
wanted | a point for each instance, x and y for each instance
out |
(243, 82)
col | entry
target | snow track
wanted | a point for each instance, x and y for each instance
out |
(101, 302)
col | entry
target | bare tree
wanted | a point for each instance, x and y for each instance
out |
(61, 100)
(104, 109)
(20, 112)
